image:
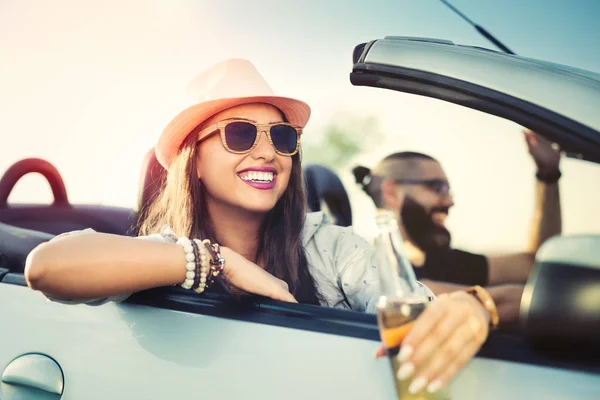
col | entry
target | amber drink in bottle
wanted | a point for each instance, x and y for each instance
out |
(401, 300)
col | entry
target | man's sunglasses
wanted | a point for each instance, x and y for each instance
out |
(439, 186)
(241, 136)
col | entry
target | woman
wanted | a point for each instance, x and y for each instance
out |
(234, 178)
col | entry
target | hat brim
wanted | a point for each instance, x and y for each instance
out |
(297, 113)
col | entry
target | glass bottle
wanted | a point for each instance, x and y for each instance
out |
(401, 300)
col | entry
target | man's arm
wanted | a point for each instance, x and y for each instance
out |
(546, 221)
(506, 297)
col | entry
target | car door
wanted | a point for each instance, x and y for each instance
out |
(167, 343)
(175, 346)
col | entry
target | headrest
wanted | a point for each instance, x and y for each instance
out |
(325, 192)
(561, 301)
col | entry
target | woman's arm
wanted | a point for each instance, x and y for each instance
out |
(92, 265)
(95, 265)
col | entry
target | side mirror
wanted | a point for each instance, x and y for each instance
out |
(560, 307)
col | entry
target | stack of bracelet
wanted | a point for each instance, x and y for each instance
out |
(199, 274)
(217, 263)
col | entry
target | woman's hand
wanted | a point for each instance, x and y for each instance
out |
(443, 339)
(248, 277)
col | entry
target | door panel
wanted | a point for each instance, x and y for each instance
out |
(129, 351)
(123, 351)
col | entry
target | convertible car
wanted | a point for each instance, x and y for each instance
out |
(168, 343)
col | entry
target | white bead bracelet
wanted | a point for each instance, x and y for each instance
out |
(190, 265)
(203, 266)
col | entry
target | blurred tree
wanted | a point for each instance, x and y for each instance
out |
(342, 141)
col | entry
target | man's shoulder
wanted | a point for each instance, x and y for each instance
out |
(453, 257)
(462, 253)
(456, 266)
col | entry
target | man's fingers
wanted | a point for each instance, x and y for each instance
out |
(530, 138)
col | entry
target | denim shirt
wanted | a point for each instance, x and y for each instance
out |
(340, 261)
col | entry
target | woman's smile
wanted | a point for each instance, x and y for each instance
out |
(262, 178)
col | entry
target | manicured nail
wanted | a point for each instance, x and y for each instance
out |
(417, 385)
(405, 352)
(378, 353)
(405, 371)
(435, 386)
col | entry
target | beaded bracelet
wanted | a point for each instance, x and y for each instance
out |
(207, 244)
(217, 262)
(200, 272)
(202, 281)
(190, 265)
(198, 264)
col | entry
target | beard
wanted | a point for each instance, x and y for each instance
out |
(419, 225)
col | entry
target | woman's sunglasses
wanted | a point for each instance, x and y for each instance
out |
(240, 136)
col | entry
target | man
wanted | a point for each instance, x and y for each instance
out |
(415, 184)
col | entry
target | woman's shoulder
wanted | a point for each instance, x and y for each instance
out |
(319, 230)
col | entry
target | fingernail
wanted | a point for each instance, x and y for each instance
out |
(435, 386)
(405, 352)
(417, 385)
(405, 371)
(378, 353)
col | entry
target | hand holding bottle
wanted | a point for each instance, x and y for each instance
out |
(427, 343)
(443, 339)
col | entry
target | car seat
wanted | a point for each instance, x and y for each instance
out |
(60, 216)
(15, 245)
(325, 192)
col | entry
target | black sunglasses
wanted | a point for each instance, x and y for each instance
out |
(240, 136)
(439, 186)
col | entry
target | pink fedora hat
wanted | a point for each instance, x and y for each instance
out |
(225, 85)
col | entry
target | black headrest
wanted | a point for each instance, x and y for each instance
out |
(15, 245)
(324, 187)
(151, 180)
(561, 302)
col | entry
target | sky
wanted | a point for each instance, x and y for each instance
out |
(89, 86)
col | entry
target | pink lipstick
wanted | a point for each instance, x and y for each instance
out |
(261, 178)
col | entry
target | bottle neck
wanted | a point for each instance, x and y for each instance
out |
(396, 273)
